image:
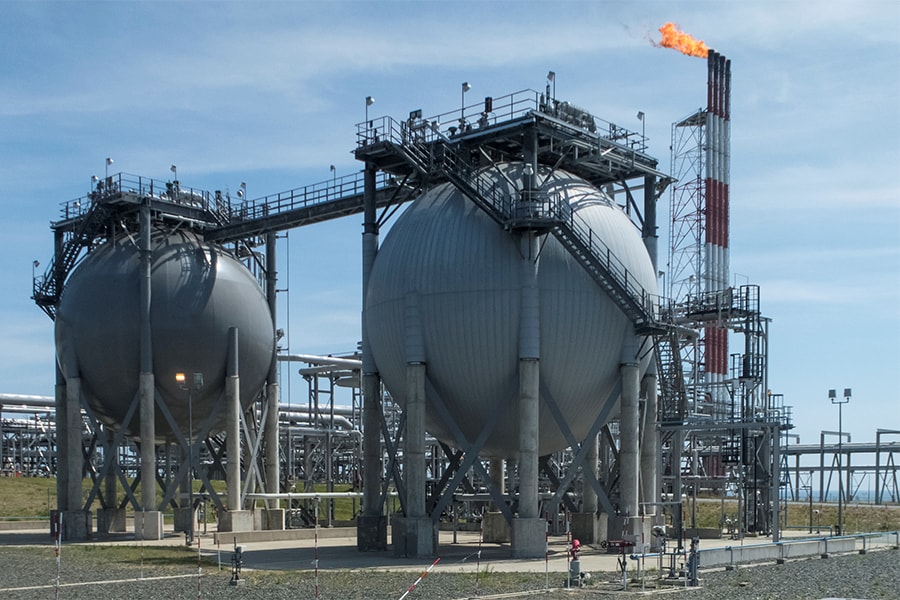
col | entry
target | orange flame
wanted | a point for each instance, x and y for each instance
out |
(672, 37)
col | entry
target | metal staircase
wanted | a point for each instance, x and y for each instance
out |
(671, 379)
(537, 210)
(84, 229)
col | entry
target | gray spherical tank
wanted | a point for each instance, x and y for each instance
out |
(457, 270)
(198, 292)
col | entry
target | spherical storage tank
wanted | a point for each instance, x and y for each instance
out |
(198, 292)
(449, 264)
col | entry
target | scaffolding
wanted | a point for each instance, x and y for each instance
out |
(722, 426)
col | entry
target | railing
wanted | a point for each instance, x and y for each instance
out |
(503, 109)
(601, 256)
(171, 191)
(431, 151)
(306, 196)
(730, 556)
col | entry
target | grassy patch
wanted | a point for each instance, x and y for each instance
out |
(27, 496)
(857, 517)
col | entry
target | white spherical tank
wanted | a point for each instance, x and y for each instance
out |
(460, 271)
(198, 292)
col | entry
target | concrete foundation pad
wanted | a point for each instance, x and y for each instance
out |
(236, 520)
(183, 518)
(274, 519)
(148, 525)
(74, 525)
(268, 519)
(371, 533)
(414, 537)
(495, 528)
(528, 538)
(111, 520)
(586, 528)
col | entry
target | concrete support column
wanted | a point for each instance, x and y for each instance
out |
(109, 482)
(415, 535)
(498, 480)
(110, 519)
(629, 468)
(529, 374)
(371, 531)
(275, 515)
(73, 447)
(414, 457)
(529, 530)
(650, 458)
(234, 518)
(589, 495)
(148, 525)
(62, 441)
(586, 524)
(233, 425)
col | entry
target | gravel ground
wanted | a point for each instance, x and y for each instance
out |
(31, 572)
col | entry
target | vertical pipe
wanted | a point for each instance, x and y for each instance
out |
(775, 480)
(60, 394)
(650, 442)
(650, 230)
(711, 349)
(371, 384)
(273, 460)
(629, 469)
(726, 171)
(822, 467)
(877, 466)
(529, 377)
(147, 385)
(497, 478)
(233, 423)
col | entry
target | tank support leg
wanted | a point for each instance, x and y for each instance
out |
(371, 529)
(148, 525)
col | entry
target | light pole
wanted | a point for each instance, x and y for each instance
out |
(832, 395)
(369, 102)
(462, 113)
(640, 117)
(196, 384)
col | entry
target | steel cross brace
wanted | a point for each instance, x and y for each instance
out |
(471, 450)
(205, 426)
(109, 448)
(547, 468)
(578, 460)
(453, 458)
(255, 439)
(393, 466)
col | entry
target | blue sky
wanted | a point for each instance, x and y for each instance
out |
(269, 93)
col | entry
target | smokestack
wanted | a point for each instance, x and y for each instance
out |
(718, 132)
